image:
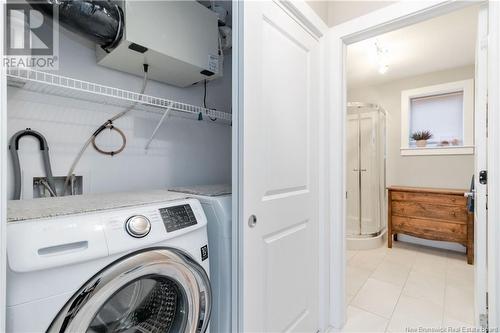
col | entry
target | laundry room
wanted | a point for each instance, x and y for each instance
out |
(119, 159)
(187, 149)
(220, 166)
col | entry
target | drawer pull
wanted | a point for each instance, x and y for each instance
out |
(63, 248)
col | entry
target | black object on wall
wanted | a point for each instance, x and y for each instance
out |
(44, 148)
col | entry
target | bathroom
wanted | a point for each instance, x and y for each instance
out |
(404, 86)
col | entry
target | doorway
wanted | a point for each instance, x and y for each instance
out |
(426, 281)
(373, 26)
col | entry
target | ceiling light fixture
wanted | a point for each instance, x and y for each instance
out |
(382, 57)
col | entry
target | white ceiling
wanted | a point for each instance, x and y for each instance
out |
(437, 44)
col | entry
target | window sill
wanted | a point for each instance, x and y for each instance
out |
(448, 150)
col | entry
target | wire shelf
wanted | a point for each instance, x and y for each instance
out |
(53, 84)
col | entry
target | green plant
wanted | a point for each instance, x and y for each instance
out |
(421, 135)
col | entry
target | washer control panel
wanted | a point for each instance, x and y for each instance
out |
(138, 226)
(178, 217)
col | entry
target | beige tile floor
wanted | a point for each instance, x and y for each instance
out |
(408, 286)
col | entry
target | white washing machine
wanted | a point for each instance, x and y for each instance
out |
(217, 203)
(128, 262)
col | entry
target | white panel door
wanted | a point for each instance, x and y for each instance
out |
(281, 101)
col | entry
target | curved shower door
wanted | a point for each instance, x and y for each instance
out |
(365, 170)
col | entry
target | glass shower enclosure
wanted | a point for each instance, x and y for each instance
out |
(365, 170)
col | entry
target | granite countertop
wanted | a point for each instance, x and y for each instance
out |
(20, 210)
(206, 190)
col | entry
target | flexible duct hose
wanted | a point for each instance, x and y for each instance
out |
(107, 124)
(44, 147)
(99, 21)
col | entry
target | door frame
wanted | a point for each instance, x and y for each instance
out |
(493, 156)
(304, 14)
(237, 166)
(3, 175)
(380, 21)
(480, 163)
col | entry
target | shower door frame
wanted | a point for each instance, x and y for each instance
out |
(393, 17)
(381, 196)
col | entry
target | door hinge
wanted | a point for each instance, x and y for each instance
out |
(483, 317)
(487, 115)
(483, 177)
(483, 321)
(484, 42)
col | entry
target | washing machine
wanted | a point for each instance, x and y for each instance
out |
(126, 262)
(216, 202)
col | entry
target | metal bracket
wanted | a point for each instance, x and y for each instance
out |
(169, 107)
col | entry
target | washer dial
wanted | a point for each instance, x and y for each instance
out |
(138, 226)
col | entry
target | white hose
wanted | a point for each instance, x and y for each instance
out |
(96, 133)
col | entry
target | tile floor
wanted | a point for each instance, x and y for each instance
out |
(408, 286)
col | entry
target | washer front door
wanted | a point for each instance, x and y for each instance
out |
(157, 290)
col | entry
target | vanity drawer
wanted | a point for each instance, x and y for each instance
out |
(456, 214)
(430, 229)
(432, 198)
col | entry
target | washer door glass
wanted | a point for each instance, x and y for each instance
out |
(160, 290)
(153, 304)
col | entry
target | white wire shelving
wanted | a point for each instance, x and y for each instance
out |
(52, 84)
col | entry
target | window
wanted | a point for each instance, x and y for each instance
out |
(442, 115)
(446, 111)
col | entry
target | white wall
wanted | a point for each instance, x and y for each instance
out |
(334, 12)
(448, 171)
(343, 11)
(185, 151)
(320, 7)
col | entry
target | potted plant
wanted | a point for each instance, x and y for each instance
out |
(421, 138)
